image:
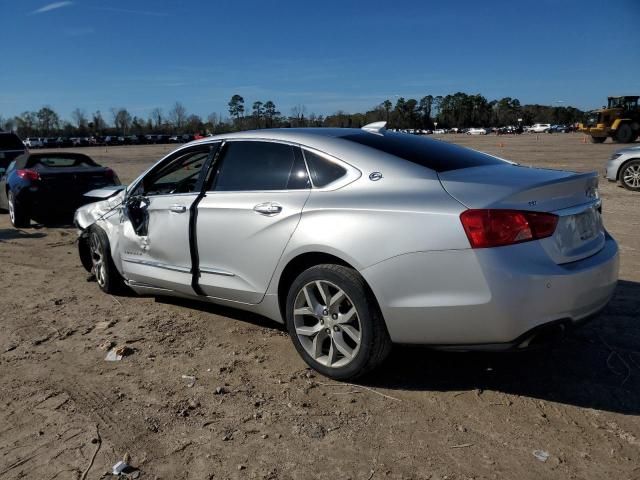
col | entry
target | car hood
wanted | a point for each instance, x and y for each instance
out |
(88, 214)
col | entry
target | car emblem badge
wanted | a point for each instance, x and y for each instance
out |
(375, 176)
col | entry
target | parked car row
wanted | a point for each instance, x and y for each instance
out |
(149, 139)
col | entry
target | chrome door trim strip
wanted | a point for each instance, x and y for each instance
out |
(164, 266)
(216, 271)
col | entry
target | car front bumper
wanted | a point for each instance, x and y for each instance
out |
(471, 299)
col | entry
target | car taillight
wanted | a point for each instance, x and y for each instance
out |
(110, 174)
(494, 227)
(28, 174)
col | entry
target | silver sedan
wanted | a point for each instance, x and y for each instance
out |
(624, 167)
(357, 239)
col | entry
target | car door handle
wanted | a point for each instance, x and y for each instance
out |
(177, 208)
(268, 208)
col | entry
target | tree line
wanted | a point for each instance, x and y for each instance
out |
(456, 110)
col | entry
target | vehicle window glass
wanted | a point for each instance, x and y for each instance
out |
(179, 176)
(323, 171)
(62, 162)
(260, 166)
(434, 154)
(11, 166)
(10, 141)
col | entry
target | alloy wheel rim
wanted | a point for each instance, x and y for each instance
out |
(631, 176)
(327, 324)
(97, 259)
(12, 213)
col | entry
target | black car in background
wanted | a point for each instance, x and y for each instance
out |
(50, 186)
(10, 147)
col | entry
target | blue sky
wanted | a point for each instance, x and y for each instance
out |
(325, 55)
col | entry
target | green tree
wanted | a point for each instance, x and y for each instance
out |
(257, 113)
(236, 108)
(270, 113)
(48, 120)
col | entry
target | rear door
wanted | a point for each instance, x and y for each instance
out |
(155, 247)
(247, 216)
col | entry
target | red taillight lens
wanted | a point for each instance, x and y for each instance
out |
(28, 174)
(494, 228)
(110, 174)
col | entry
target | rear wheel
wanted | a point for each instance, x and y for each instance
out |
(630, 176)
(624, 134)
(18, 213)
(598, 139)
(108, 278)
(335, 323)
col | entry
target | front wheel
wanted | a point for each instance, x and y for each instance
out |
(335, 323)
(18, 213)
(107, 276)
(624, 134)
(630, 176)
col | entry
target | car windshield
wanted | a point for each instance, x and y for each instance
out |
(434, 154)
(10, 141)
(62, 162)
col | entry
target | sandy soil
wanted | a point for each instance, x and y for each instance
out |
(254, 410)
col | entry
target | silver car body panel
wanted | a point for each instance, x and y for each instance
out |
(401, 230)
(619, 158)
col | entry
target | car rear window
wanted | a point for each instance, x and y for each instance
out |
(62, 162)
(10, 141)
(434, 154)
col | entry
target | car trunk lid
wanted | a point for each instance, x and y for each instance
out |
(571, 196)
(74, 181)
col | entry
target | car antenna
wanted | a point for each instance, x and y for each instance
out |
(375, 127)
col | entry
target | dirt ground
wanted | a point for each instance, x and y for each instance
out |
(254, 411)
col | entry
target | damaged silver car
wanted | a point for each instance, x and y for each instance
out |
(360, 238)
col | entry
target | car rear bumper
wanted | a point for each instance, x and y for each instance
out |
(474, 298)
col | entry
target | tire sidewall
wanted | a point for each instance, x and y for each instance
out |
(366, 309)
(110, 275)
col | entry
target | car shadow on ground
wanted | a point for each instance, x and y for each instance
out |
(594, 366)
(17, 234)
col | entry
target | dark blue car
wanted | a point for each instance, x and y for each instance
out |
(50, 186)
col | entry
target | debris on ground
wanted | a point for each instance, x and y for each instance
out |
(541, 455)
(116, 354)
(190, 380)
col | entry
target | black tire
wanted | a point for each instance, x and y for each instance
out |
(18, 212)
(624, 134)
(375, 343)
(107, 276)
(632, 171)
(598, 139)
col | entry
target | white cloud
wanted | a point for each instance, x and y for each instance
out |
(52, 6)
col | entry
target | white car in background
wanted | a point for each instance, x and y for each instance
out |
(32, 142)
(540, 128)
(476, 131)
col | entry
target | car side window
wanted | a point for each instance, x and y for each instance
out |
(11, 167)
(181, 175)
(254, 165)
(323, 171)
